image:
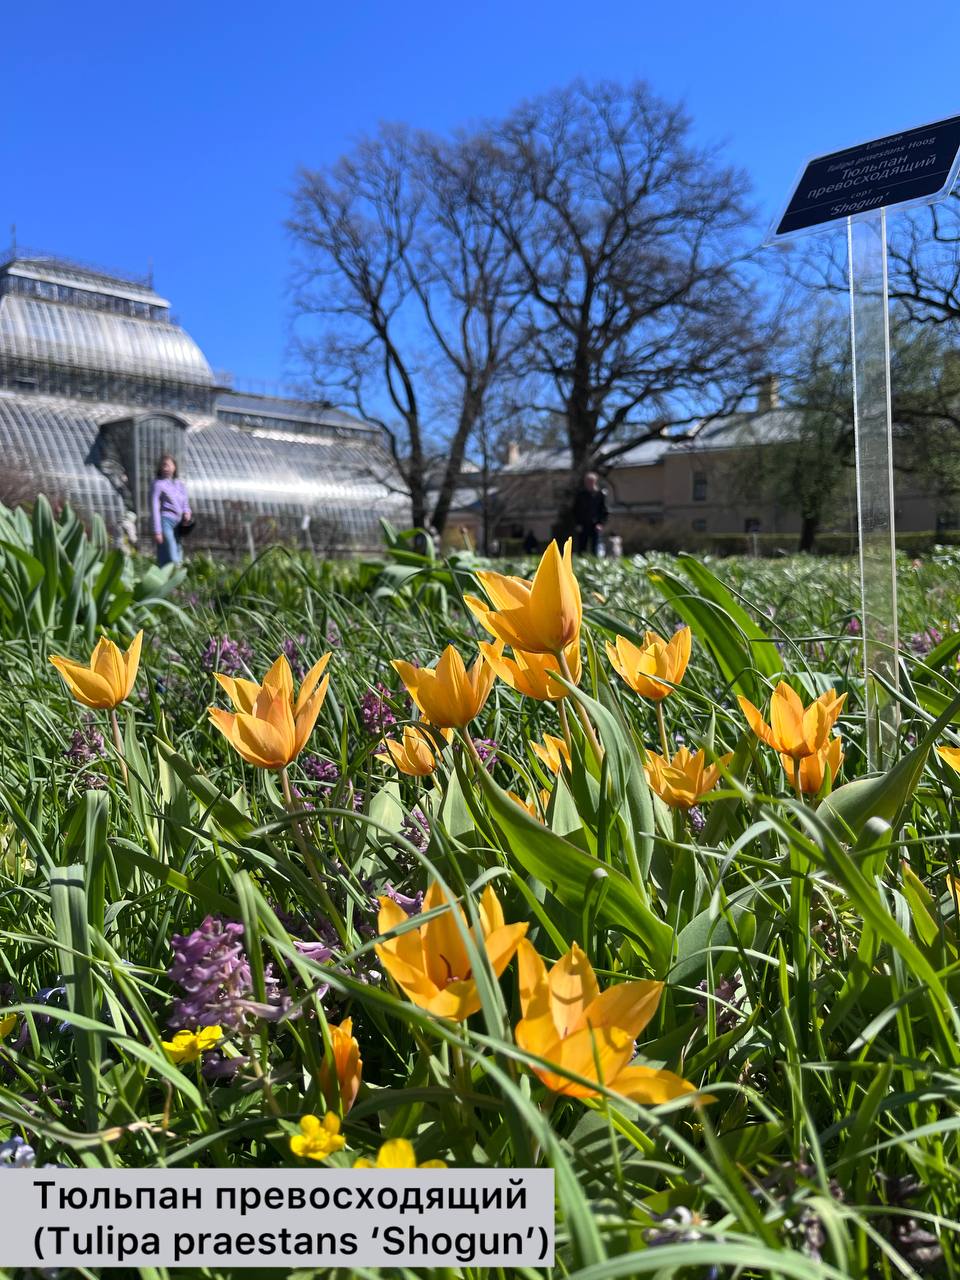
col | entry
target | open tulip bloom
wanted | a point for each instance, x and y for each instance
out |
(414, 755)
(684, 780)
(448, 695)
(541, 616)
(268, 728)
(646, 668)
(431, 963)
(531, 673)
(109, 678)
(580, 1030)
(795, 730)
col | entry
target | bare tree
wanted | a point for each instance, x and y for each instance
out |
(640, 308)
(410, 283)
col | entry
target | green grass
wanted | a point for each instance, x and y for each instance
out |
(811, 958)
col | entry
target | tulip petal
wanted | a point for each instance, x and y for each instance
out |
(534, 987)
(501, 945)
(242, 693)
(279, 679)
(131, 663)
(505, 591)
(407, 946)
(597, 1053)
(573, 987)
(261, 742)
(491, 912)
(310, 682)
(650, 1086)
(629, 1005)
(85, 685)
(444, 950)
(306, 714)
(756, 721)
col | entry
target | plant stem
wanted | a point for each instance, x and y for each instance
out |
(662, 725)
(118, 741)
(565, 725)
(335, 918)
(581, 710)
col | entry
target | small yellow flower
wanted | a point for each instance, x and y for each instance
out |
(553, 751)
(542, 616)
(268, 728)
(413, 755)
(645, 669)
(398, 1153)
(448, 694)
(7, 1024)
(187, 1046)
(318, 1138)
(109, 678)
(794, 730)
(684, 780)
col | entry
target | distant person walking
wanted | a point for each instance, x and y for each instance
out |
(169, 504)
(590, 513)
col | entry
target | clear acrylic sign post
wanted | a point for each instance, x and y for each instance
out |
(857, 186)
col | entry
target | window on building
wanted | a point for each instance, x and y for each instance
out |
(699, 526)
(699, 486)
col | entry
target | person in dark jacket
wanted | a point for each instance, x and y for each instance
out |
(589, 513)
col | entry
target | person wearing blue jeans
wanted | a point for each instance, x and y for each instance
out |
(169, 505)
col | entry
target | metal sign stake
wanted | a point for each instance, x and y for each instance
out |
(873, 428)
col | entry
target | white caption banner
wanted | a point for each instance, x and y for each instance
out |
(255, 1218)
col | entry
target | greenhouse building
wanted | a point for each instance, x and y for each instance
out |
(97, 381)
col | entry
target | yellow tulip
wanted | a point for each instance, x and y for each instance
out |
(398, 1153)
(569, 1022)
(7, 1024)
(188, 1046)
(813, 769)
(431, 964)
(412, 756)
(684, 780)
(530, 805)
(645, 669)
(542, 616)
(346, 1067)
(553, 752)
(109, 678)
(952, 757)
(318, 1138)
(530, 673)
(268, 728)
(448, 695)
(794, 730)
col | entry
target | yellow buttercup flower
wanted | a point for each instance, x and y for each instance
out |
(7, 1024)
(398, 1153)
(345, 1069)
(448, 695)
(530, 673)
(553, 752)
(646, 668)
(268, 728)
(413, 755)
(572, 1024)
(318, 1138)
(812, 769)
(187, 1046)
(431, 964)
(541, 616)
(794, 730)
(684, 780)
(109, 678)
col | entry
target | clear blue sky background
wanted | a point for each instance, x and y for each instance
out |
(172, 132)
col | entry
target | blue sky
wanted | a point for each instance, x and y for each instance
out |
(172, 132)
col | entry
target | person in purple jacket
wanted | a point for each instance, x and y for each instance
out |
(169, 504)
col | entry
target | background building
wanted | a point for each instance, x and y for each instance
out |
(97, 380)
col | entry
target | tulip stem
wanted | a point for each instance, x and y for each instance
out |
(581, 710)
(118, 742)
(662, 725)
(298, 835)
(565, 725)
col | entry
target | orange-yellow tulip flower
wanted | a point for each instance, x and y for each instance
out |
(530, 673)
(552, 752)
(431, 963)
(345, 1068)
(268, 728)
(794, 730)
(542, 616)
(684, 780)
(448, 694)
(413, 755)
(813, 768)
(531, 805)
(952, 757)
(569, 1022)
(646, 668)
(109, 678)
